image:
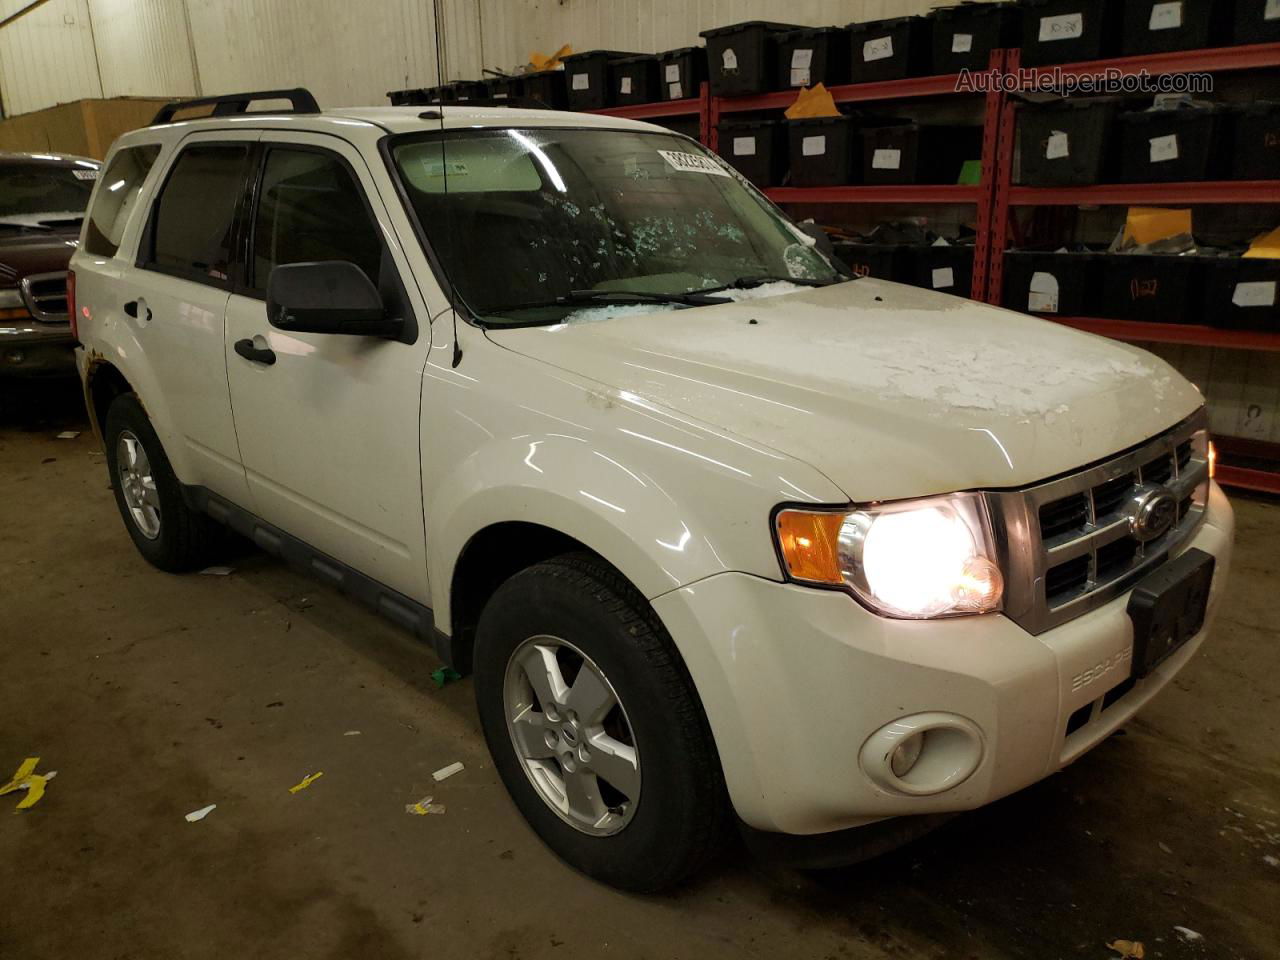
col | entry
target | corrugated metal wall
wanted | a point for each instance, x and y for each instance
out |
(47, 56)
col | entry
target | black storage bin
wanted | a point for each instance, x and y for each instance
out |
(889, 49)
(1242, 293)
(464, 91)
(1157, 288)
(965, 35)
(690, 127)
(1067, 31)
(755, 148)
(742, 58)
(546, 87)
(883, 261)
(587, 78)
(823, 151)
(505, 88)
(1067, 143)
(1163, 26)
(682, 72)
(1255, 141)
(896, 153)
(1163, 146)
(1255, 21)
(414, 96)
(634, 79)
(812, 55)
(1063, 284)
(946, 268)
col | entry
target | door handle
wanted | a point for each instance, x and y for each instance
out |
(131, 308)
(246, 349)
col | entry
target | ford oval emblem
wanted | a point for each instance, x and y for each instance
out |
(1154, 511)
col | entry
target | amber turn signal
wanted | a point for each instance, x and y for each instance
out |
(810, 545)
(1213, 460)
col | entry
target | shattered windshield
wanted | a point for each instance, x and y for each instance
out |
(532, 224)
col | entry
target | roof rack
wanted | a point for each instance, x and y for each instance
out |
(300, 101)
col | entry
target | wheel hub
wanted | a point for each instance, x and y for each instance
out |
(138, 485)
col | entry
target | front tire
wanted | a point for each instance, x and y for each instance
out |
(595, 727)
(168, 533)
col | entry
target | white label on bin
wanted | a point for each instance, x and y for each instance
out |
(801, 59)
(1042, 297)
(879, 49)
(729, 59)
(799, 76)
(1164, 148)
(624, 85)
(886, 159)
(499, 96)
(1068, 26)
(581, 81)
(693, 163)
(1272, 10)
(744, 146)
(672, 73)
(813, 146)
(1165, 16)
(1256, 293)
(1057, 146)
(961, 42)
(674, 91)
(943, 277)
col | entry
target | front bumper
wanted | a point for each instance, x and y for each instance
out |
(795, 681)
(31, 348)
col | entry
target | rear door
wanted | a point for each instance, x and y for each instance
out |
(329, 430)
(176, 297)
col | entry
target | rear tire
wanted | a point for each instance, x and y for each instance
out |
(666, 817)
(168, 533)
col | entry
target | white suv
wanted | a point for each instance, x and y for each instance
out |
(718, 529)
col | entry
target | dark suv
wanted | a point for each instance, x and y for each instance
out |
(42, 201)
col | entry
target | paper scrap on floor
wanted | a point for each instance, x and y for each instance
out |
(195, 816)
(1128, 949)
(68, 434)
(445, 773)
(26, 778)
(306, 782)
(217, 571)
(423, 807)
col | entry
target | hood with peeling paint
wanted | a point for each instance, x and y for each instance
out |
(891, 391)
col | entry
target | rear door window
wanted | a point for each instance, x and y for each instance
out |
(117, 197)
(193, 221)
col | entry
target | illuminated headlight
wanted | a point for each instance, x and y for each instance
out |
(10, 299)
(915, 559)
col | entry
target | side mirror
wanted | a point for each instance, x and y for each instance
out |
(327, 296)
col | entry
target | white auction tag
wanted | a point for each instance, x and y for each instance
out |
(879, 49)
(84, 174)
(799, 76)
(1042, 297)
(1255, 293)
(1057, 146)
(813, 146)
(624, 85)
(1165, 16)
(961, 42)
(943, 277)
(672, 73)
(674, 91)
(1068, 26)
(581, 81)
(693, 163)
(744, 146)
(801, 58)
(1164, 148)
(886, 159)
(729, 59)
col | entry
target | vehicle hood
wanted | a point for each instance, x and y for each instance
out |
(890, 391)
(28, 254)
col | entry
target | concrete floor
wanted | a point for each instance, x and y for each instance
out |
(154, 695)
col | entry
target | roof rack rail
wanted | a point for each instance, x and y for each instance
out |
(300, 101)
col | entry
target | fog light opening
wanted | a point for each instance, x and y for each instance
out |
(906, 754)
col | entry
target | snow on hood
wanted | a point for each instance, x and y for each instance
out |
(610, 311)
(891, 391)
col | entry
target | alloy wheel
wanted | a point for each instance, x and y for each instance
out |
(138, 484)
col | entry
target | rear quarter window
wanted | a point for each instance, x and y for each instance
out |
(116, 198)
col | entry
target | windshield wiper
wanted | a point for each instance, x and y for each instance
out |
(747, 283)
(620, 297)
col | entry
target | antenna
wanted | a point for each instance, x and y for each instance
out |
(444, 159)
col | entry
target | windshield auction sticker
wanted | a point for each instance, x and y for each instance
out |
(693, 163)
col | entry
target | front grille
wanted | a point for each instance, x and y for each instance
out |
(46, 296)
(1073, 543)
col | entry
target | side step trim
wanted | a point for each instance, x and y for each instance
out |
(392, 604)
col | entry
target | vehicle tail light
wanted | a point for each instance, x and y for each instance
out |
(71, 305)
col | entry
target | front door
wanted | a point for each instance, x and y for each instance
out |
(329, 430)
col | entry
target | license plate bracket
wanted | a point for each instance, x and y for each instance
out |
(1168, 608)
